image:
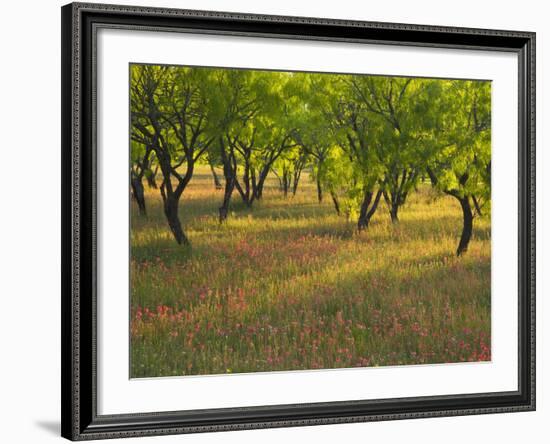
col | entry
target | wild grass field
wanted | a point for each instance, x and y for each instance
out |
(289, 285)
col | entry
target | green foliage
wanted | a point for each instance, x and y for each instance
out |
(460, 155)
(236, 301)
(355, 134)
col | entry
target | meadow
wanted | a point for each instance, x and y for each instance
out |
(289, 285)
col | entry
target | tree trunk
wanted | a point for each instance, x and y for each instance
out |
(296, 180)
(259, 187)
(217, 182)
(363, 222)
(393, 206)
(393, 212)
(319, 190)
(335, 202)
(171, 213)
(138, 194)
(366, 213)
(466, 227)
(477, 206)
(286, 182)
(224, 209)
(247, 184)
(279, 179)
(230, 176)
(248, 194)
(152, 179)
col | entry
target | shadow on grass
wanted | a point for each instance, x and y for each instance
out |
(199, 216)
(165, 248)
(444, 225)
(460, 280)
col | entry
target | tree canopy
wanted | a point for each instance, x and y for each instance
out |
(366, 140)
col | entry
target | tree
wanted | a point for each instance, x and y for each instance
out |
(271, 135)
(460, 164)
(288, 169)
(238, 95)
(255, 130)
(364, 138)
(170, 110)
(141, 156)
(151, 173)
(140, 153)
(356, 132)
(212, 163)
(313, 122)
(400, 108)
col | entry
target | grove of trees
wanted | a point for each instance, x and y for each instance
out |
(367, 141)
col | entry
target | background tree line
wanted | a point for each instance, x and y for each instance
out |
(364, 139)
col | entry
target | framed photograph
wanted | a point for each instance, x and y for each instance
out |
(282, 221)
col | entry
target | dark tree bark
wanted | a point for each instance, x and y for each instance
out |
(467, 225)
(228, 191)
(171, 197)
(393, 207)
(289, 178)
(397, 187)
(258, 186)
(217, 182)
(467, 213)
(286, 181)
(296, 179)
(254, 179)
(150, 125)
(393, 213)
(248, 194)
(477, 206)
(171, 212)
(151, 177)
(279, 179)
(319, 190)
(247, 190)
(230, 175)
(335, 202)
(297, 168)
(138, 193)
(368, 208)
(137, 171)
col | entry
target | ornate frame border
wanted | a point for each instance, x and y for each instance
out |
(79, 395)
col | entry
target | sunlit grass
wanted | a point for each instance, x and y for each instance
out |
(290, 285)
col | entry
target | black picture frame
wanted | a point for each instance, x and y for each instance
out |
(80, 420)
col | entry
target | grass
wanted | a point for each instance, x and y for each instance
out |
(289, 285)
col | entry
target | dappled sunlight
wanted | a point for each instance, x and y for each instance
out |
(291, 271)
